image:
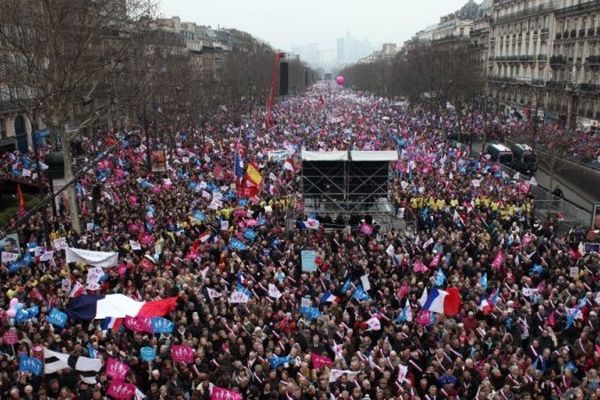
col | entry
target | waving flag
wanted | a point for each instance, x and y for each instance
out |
(483, 281)
(89, 307)
(182, 353)
(276, 361)
(406, 314)
(443, 302)
(310, 313)
(116, 369)
(87, 367)
(360, 294)
(374, 324)
(319, 361)
(30, 364)
(219, 393)
(253, 175)
(440, 278)
(120, 390)
(328, 297)
(312, 223)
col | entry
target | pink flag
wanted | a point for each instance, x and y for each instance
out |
(498, 260)
(182, 353)
(419, 267)
(116, 369)
(320, 361)
(423, 317)
(436, 261)
(121, 390)
(219, 393)
(366, 229)
(404, 290)
(139, 324)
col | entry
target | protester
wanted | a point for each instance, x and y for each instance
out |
(200, 290)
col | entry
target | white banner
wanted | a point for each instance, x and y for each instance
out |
(103, 259)
(9, 257)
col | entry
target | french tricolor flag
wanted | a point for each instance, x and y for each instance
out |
(329, 297)
(447, 302)
(89, 307)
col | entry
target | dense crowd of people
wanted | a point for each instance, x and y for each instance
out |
(477, 299)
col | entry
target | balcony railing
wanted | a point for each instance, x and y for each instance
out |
(557, 60)
(528, 11)
(593, 60)
(577, 8)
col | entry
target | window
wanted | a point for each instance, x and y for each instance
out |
(2, 129)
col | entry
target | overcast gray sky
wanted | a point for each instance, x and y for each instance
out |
(284, 23)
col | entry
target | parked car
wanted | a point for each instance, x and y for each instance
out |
(523, 158)
(499, 153)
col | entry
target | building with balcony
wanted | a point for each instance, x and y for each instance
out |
(574, 81)
(520, 47)
(543, 54)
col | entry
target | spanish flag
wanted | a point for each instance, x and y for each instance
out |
(252, 174)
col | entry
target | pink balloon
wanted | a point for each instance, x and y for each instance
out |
(340, 80)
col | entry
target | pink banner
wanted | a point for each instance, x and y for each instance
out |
(116, 369)
(419, 267)
(320, 361)
(219, 393)
(121, 390)
(182, 353)
(498, 260)
(436, 261)
(139, 324)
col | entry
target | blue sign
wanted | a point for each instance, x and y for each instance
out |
(147, 353)
(162, 325)
(308, 260)
(57, 318)
(30, 364)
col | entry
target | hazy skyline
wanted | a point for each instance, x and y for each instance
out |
(287, 23)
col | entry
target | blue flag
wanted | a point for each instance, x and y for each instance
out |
(440, 278)
(346, 286)
(360, 294)
(162, 325)
(250, 234)
(236, 244)
(57, 318)
(199, 215)
(92, 352)
(483, 281)
(276, 361)
(310, 313)
(244, 290)
(30, 364)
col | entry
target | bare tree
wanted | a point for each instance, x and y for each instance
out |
(66, 55)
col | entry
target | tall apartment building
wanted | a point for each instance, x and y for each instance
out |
(535, 54)
(543, 54)
(574, 84)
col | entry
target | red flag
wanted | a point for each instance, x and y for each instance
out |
(21, 200)
(158, 308)
(320, 361)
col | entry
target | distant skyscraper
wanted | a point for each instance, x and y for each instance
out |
(341, 50)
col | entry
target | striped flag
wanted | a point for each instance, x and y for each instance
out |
(87, 367)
